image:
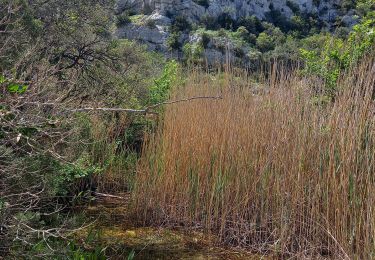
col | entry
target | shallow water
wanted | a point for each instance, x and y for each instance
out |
(121, 238)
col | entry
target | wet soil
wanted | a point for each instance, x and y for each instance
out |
(121, 238)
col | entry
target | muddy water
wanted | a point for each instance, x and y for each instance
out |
(121, 238)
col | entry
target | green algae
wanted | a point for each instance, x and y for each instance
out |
(121, 238)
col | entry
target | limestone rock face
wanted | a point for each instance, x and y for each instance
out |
(153, 29)
(159, 19)
(237, 8)
(154, 37)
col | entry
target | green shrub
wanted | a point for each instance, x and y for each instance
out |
(298, 23)
(226, 21)
(265, 42)
(180, 24)
(173, 41)
(150, 23)
(205, 40)
(160, 90)
(334, 55)
(222, 33)
(123, 19)
(242, 32)
(209, 22)
(193, 52)
(67, 181)
(279, 20)
(252, 24)
(244, 35)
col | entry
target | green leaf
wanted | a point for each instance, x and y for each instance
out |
(18, 89)
(2, 79)
(131, 255)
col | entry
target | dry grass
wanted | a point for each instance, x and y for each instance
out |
(270, 170)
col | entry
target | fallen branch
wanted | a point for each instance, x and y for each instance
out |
(84, 109)
(183, 100)
(147, 110)
(108, 195)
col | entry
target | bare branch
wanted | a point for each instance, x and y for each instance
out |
(146, 110)
(84, 109)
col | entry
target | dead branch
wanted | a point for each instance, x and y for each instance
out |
(108, 195)
(84, 109)
(147, 110)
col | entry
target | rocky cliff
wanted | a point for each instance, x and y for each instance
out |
(195, 9)
(151, 20)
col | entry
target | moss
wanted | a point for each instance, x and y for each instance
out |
(137, 19)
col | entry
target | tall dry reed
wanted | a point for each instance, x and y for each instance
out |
(272, 168)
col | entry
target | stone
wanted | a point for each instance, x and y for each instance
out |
(159, 19)
(154, 37)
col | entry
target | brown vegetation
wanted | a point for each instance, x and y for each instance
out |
(281, 170)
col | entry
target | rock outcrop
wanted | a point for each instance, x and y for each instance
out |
(195, 9)
(154, 30)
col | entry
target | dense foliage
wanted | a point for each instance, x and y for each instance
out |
(335, 55)
(253, 41)
(56, 57)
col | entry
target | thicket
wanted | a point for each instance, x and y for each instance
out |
(59, 62)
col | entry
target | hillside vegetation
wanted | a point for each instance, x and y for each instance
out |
(252, 32)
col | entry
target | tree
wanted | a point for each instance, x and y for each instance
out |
(264, 42)
(252, 24)
(57, 56)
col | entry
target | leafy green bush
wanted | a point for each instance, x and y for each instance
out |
(226, 21)
(209, 22)
(265, 42)
(364, 7)
(278, 19)
(160, 90)
(298, 23)
(205, 40)
(252, 24)
(242, 32)
(193, 52)
(336, 55)
(75, 179)
(180, 24)
(123, 19)
(49, 68)
(173, 41)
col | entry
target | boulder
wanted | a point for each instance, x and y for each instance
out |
(159, 19)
